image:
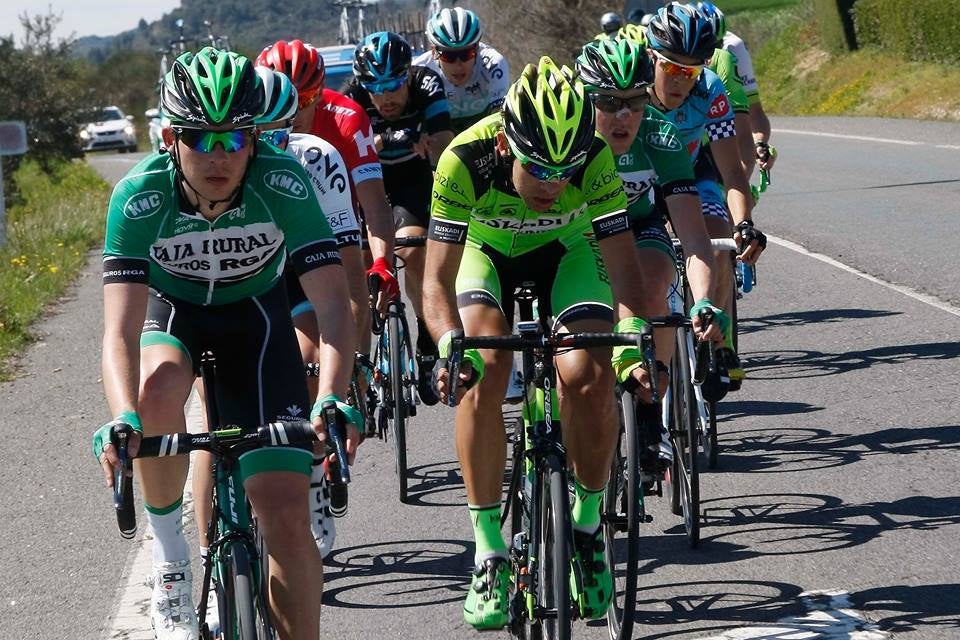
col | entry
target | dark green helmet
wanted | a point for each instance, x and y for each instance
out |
(211, 89)
(612, 65)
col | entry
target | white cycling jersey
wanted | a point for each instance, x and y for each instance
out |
(482, 93)
(328, 174)
(735, 45)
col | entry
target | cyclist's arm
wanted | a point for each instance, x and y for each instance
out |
(761, 130)
(686, 218)
(440, 286)
(368, 180)
(748, 154)
(326, 289)
(378, 218)
(438, 143)
(739, 200)
(124, 310)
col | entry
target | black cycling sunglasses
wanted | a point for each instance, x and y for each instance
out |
(613, 104)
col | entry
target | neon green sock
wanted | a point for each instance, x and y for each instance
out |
(586, 507)
(486, 531)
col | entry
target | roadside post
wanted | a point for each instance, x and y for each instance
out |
(13, 142)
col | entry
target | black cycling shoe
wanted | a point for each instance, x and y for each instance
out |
(425, 386)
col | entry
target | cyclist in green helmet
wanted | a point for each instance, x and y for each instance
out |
(533, 194)
(196, 241)
(650, 156)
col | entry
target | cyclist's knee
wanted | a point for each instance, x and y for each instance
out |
(281, 507)
(164, 389)
(496, 377)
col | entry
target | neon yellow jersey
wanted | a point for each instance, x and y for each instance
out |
(474, 198)
(724, 64)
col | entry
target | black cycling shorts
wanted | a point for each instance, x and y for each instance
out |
(409, 193)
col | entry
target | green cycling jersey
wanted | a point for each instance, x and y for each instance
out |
(155, 237)
(474, 198)
(657, 155)
(724, 64)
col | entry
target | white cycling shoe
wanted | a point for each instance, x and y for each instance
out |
(172, 613)
(322, 523)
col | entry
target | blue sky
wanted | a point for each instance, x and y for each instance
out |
(84, 17)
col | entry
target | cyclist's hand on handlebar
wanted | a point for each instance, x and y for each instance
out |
(719, 326)
(751, 241)
(389, 286)
(766, 155)
(353, 420)
(104, 449)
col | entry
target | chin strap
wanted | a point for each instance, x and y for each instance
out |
(200, 197)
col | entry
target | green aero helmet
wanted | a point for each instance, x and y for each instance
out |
(634, 33)
(614, 65)
(211, 89)
(547, 118)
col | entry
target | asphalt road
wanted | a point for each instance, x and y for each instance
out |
(839, 456)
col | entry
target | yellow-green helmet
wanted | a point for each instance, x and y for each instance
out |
(210, 89)
(547, 117)
(634, 33)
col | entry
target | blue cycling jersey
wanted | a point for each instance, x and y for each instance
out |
(707, 110)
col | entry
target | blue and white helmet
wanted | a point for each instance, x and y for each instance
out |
(713, 13)
(682, 30)
(380, 57)
(456, 28)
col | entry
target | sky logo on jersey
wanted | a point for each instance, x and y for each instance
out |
(286, 183)
(143, 205)
(664, 141)
(720, 107)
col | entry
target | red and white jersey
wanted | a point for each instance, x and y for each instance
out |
(344, 124)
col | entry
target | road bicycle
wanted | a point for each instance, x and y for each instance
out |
(392, 395)
(631, 473)
(234, 569)
(538, 498)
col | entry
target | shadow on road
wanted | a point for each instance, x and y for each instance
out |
(907, 608)
(784, 449)
(799, 364)
(436, 485)
(398, 574)
(747, 326)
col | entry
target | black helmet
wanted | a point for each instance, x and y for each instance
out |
(380, 57)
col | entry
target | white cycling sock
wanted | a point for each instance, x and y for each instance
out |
(169, 543)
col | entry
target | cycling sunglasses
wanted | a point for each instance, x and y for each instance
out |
(305, 100)
(386, 86)
(204, 140)
(549, 174)
(613, 104)
(456, 55)
(673, 68)
(277, 137)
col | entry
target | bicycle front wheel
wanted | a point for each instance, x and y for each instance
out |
(398, 396)
(685, 436)
(621, 522)
(557, 543)
(238, 620)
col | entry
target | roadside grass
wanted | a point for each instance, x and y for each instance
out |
(732, 7)
(798, 77)
(60, 216)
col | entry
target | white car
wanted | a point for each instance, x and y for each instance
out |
(111, 130)
(157, 125)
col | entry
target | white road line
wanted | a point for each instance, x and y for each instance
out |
(132, 619)
(828, 617)
(947, 146)
(907, 291)
(821, 134)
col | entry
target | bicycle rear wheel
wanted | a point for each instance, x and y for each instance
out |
(621, 517)
(557, 547)
(684, 434)
(398, 396)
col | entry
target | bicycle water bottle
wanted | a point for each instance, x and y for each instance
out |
(746, 277)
